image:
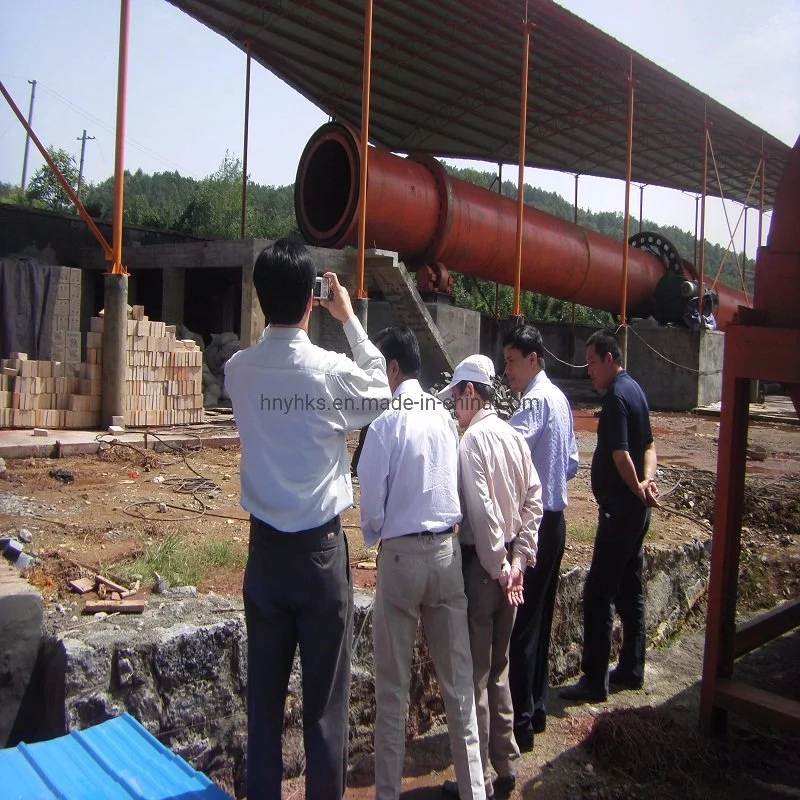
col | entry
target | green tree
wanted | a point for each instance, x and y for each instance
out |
(44, 190)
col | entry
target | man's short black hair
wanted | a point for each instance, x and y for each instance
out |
(483, 390)
(398, 343)
(605, 342)
(526, 339)
(283, 277)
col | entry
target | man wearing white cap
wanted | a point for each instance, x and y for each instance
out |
(501, 500)
(408, 473)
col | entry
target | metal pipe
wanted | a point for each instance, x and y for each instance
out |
(417, 209)
(696, 216)
(701, 262)
(496, 284)
(626, 225)
(59, 177)
(365, 94)
(523, 123)
(575, 220)
(641, 205)
(761, 197)
(119, 152)
(744, 247)
(28, 136)
(244, 146)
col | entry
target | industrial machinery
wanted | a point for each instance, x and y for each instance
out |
(438, 223)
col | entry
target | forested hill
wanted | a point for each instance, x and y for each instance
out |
(212, 207)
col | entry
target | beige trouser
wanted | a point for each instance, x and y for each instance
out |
(491, 619)
(421, 576)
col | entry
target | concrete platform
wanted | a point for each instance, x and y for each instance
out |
(775, 408)
(58, 443)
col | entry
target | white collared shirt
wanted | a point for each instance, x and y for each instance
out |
(294, 404)
(544, 419)
(501, 492)
(408, 470)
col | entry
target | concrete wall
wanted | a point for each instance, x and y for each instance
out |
(64, 240)
(678, 369)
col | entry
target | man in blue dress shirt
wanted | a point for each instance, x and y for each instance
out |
(544, 419)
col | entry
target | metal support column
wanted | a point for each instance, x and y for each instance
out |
(243, 225)
(623, 316)
(516, 311)
(360, 299)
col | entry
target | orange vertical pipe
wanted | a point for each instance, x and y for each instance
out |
(702, 259)
(119, 152)
(575, 220)
(516, 311)
(761, 198)
(244, 146)
(362, 195)
(59, 177)
(623, 306)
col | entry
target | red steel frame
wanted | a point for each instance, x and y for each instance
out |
(763, 345)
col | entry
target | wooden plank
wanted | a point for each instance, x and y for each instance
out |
(757, 704)
(115, 587)
(766, 627)
(118, 606)
(82, 585)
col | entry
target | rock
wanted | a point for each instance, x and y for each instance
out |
(24, 535)
(181, 591)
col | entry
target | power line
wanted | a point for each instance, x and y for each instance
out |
(133, 142)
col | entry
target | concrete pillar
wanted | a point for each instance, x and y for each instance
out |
(360, 307)
(173, 282)
(115, 332)
(252, 319)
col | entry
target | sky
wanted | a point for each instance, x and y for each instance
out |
(186, 91)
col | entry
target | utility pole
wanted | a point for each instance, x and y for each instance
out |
(82, 140)
(27, 136)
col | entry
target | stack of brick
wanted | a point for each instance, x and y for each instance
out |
(164, 382)
(65, 345)
(38, 394)
(164, 376)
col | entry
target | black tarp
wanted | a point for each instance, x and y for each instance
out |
(28, 294)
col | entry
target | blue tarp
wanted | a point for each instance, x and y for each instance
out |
(116, 760)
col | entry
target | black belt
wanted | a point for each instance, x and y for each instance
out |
(471, 549)
(446, 532)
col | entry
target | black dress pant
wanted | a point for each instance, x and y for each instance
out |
(615, 580)
(298, 591)
(529, 653)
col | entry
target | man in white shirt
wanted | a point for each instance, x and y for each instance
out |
(544, 419)
(408, 473)
(502, 505)
(294, 404)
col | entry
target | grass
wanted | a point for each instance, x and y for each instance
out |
(181, 563)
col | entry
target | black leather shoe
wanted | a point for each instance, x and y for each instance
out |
(582, 692)
(539, 721)
(624, 680)
(504, 786)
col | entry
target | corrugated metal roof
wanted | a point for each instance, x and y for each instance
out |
(116, 760)
(446, 81)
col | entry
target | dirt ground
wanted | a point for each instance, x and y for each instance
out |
(125, 506)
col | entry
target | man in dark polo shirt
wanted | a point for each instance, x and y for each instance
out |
(623, 471)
